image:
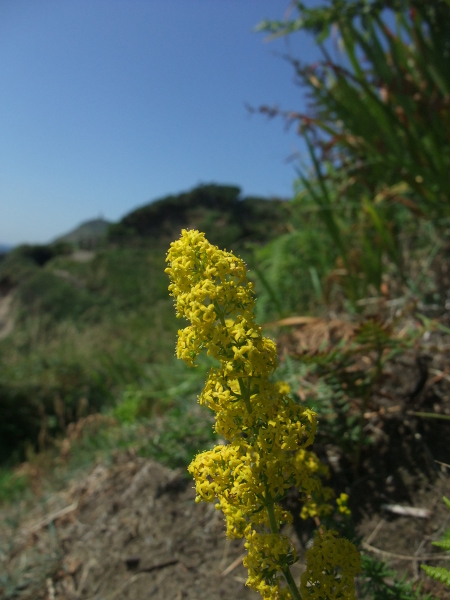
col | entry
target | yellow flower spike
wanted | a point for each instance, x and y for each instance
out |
(267, 433)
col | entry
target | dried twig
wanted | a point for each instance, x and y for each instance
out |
(292, 321)
(407, 511)
(123, 586)
(375, 531)
(161, 565)
(233, 565)
(416, 562)
(50, 589)
(439, 375)
(226, 549)
(140, 574)
(54, 516)
(84, 575)
(440, 556)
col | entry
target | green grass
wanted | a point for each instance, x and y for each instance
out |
(83, 333)
(12, 486)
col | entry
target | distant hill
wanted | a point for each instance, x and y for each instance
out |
(87, 234)
(103, 323)
(218, 210)
(4, 248)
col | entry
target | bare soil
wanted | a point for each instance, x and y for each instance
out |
(131, 530)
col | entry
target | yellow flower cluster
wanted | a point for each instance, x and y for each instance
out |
(266, 432)
(342, 505)
(331, 566)
(268, 553)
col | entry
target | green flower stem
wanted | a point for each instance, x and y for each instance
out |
(426, 415)
(245, 393)
(274, 529)
(220, 313)
(270, 506)
(292, 585)
(271, 512)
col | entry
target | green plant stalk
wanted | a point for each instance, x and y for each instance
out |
(360, 433)
(269, 289)
(378, 127)
(245, 393)
(270, 506)
(426, 415)
(274, 529)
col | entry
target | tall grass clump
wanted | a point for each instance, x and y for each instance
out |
(377, 131)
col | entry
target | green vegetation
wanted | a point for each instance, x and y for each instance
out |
(382, 583)
(219, 211)
(378, 135)
(12, 486)
(341, 382)
(441, 573)
(86, 235)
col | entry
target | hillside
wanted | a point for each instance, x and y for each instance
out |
(80, 315)
(87, 234)
(220, 211)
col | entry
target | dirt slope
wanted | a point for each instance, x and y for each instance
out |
(129, 531)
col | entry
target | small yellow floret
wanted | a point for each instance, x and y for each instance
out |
(342, 505)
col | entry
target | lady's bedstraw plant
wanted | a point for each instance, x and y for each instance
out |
(266, 433)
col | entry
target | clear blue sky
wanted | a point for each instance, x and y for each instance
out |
(106, 105)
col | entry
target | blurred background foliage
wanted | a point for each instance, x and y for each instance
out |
(378, 135)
